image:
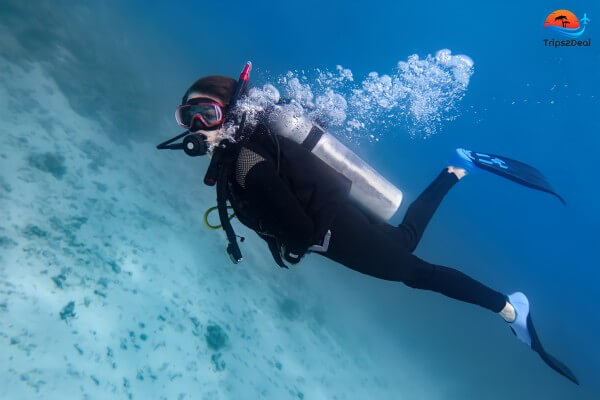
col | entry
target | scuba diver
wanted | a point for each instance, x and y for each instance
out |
(295, 197)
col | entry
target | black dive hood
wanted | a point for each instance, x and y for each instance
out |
(194, 144)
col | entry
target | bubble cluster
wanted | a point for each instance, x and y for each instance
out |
(417, 97)
(420, 95)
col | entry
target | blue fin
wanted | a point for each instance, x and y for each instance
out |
(514, 170)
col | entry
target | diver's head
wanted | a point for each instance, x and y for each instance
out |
(204, 106)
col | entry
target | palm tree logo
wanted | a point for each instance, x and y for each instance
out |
(565, 23)
(563, 19)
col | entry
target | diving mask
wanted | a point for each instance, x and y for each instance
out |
(208, 113)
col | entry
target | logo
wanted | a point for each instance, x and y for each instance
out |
(564, 23)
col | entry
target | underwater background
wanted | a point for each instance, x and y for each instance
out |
(111, 287)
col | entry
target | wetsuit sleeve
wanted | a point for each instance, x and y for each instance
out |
(277, 208)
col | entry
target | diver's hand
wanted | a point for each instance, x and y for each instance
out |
(289, 258)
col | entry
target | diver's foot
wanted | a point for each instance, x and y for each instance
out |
(508, 313)
(459, 172)
(519, 326)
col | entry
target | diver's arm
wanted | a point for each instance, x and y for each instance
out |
(278, 209)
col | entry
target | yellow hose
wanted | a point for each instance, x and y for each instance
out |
(214, 227)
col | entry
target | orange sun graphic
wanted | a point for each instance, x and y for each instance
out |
(562, 18)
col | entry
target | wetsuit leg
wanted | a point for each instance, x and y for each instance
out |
(365, 247)
(419, 213)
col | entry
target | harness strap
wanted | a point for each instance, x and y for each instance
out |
(233, 249)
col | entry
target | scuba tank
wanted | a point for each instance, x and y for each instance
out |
(369, 189)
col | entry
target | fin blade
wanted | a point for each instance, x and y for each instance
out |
(515, 170)
(550, 360)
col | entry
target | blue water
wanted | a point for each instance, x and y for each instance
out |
(111, 286)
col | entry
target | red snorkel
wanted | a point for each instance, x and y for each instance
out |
(246, 72)
(241, 86)
(210, 178)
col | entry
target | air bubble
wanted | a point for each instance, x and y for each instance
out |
(418, 96)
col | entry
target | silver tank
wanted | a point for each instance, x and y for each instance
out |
(369, 190)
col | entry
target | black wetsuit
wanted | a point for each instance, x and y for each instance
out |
(291, 198)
